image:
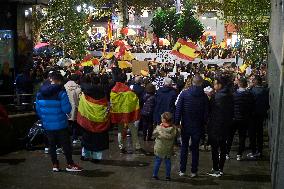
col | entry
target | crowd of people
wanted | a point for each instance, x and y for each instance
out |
(206, 108)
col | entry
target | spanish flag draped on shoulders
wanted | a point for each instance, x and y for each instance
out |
(93, 115)
(124, 105)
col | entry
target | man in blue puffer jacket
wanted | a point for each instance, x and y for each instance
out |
(52, 106)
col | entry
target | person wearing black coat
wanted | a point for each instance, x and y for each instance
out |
(261, 107)
(148, 111)
(220, 120)
(165, 100)
(243, 108)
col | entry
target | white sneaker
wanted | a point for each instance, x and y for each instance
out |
(214, 173)
(181, 174)
(75, 142)
(46, 150)
(59, 151)
(193, 175)
(227, 157)
(239, 158)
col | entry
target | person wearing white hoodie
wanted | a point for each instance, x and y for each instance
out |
(73, 90)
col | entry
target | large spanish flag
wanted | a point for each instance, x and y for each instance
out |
(124, 105)
(93, 115)
(185, 50)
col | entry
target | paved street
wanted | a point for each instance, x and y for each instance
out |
(32, 170)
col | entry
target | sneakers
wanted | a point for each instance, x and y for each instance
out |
(254, 155)
(73, 168)
(75, 142)
(155, 178)
(181, 174)
(227, 157)
(168, 178)
(221, 172)
(55, 168)
(193, 175)
(59, 151)
(123, 151)
(46, 150)
(239, 158)
(214, 173)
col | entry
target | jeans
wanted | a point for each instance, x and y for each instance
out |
(92, 155)
(242, 127)
(157, 164)
(195, 139)
(256, 134)
(122, 131)
(60, 138)
(218, 161)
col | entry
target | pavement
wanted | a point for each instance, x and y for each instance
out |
(32, 170)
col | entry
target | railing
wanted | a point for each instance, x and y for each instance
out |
(20, 105)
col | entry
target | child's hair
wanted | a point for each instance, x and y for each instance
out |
(167, 116)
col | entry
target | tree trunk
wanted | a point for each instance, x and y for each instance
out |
(123, 13)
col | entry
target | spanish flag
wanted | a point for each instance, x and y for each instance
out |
(93, 115)
(124, 105)
(185, 50)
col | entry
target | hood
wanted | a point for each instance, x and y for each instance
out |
(167, 132)
(71, 86)
(196, 91)
(50, 89)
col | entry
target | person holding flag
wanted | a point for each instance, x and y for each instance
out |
(93, 116)
(125, 111)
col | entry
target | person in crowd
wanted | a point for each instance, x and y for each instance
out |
(24, 85)
(165, 135)
(73, 90)
(125, 111)
(243, 108)
(148, 111)
(261, 107)
(159, 80)
(165, 100)
(52, 106)
(139, 90)
(220, 120)
(94, 118)
(191, 112)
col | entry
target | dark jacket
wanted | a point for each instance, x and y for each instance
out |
(261, 98)
(243, 105)
(192, 109)
(149, 104)
(52, 106)
(139, 91)
(164, 102)
(221, 115)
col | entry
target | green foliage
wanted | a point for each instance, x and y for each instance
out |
(67, 28)
(159, 23)
(188, 26)
(166, 22)
(251, 18)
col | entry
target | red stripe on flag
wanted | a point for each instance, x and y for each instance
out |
(120, 87)
(122, 118)
(189, 44)
(92, 126)
(102, 102)
(182, 56)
